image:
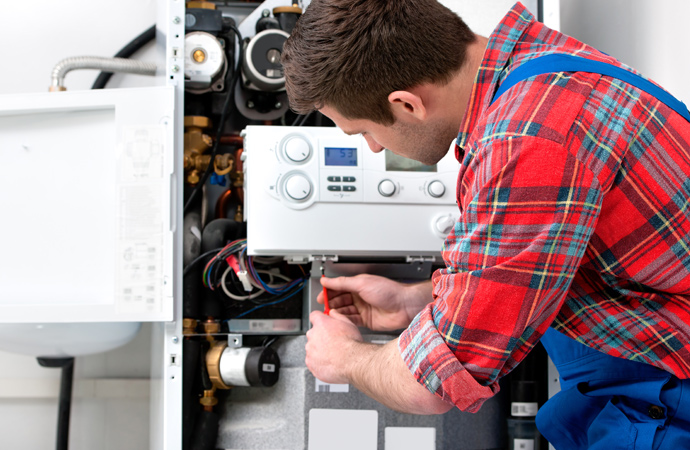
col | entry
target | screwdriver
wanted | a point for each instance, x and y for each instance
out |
(327, 308)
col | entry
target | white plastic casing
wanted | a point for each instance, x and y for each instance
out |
(298, 206)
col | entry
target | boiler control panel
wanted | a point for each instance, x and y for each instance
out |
(315, 191)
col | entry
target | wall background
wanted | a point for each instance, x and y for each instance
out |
(111, 404)
(647, 35)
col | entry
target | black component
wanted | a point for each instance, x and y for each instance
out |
(206, 383)
(206, 431)
(523, 391)
(527, 393)
(267, 23)
(267, 45)
(127, 51)
(191, 285)
(191, 350)
(220, 232)
(287, 21)
(200, 19)
(262, 367)
(65, 400)
(191, 238)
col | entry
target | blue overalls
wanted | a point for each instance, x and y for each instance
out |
(605, 402)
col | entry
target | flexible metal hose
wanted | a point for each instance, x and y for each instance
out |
(98, 63)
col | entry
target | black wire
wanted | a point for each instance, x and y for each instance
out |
(127, 51)
(301, 119)
(199, 259)
(226, 109)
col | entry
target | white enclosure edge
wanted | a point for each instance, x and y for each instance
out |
(88, 195)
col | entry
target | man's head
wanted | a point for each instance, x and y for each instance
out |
(350, 55)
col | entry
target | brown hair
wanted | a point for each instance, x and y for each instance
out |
(350, 54)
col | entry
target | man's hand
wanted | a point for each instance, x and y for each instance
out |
(337, 354)
(375, 302)
(330, 349)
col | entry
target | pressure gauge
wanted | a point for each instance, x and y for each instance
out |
(205, 63)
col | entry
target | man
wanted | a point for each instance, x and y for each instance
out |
(574, 224)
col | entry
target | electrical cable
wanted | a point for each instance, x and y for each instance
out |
(271, 303)
(128, 50)
(199, 259)
(239, 298)
(223, 117)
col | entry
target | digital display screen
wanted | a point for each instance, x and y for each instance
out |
(397, 163)
(341, 156)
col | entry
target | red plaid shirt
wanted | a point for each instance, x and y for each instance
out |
(575, 199)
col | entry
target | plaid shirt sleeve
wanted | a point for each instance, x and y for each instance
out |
(530, 208)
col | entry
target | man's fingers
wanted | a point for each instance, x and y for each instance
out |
(338, 316)
(344, 284)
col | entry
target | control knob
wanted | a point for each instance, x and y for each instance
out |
(298, 187)
(436, 189)
(444, 224)
(297, 149)
(386, 188)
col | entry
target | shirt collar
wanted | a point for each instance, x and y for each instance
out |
(496, 57)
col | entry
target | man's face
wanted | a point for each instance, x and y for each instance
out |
(426, 142)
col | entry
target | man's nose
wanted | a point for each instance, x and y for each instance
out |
(373, 145)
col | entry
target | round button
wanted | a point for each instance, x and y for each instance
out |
(386, 188)
(297, 149)
(298, 187)
(436, 189)
(444, 224)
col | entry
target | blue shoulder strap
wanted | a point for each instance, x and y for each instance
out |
(554, 63)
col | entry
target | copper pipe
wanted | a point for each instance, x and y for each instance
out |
(222, 204)
(232, 139)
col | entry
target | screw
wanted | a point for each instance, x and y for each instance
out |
(176, 20)
(175, 68)
(278, 105)
(265, 13)
(175, 339)
(250, 104)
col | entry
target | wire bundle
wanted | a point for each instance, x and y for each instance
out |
(261, 286)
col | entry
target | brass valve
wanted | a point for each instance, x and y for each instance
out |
(196, 142)
(200, 5)
(188, 326)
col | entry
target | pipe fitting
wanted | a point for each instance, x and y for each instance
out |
(123, 65)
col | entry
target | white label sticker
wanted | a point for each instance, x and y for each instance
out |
(518, 409)
(140, 220)
(523, 444)
(269, 367)
(328, 387)
(343, 429)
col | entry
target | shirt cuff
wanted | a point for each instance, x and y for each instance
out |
(435, 366)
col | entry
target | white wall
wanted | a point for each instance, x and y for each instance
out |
(110, 409)
(649, 35)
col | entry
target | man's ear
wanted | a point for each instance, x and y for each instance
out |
(405, 104)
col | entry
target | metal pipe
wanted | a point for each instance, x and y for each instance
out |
(98, 63)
